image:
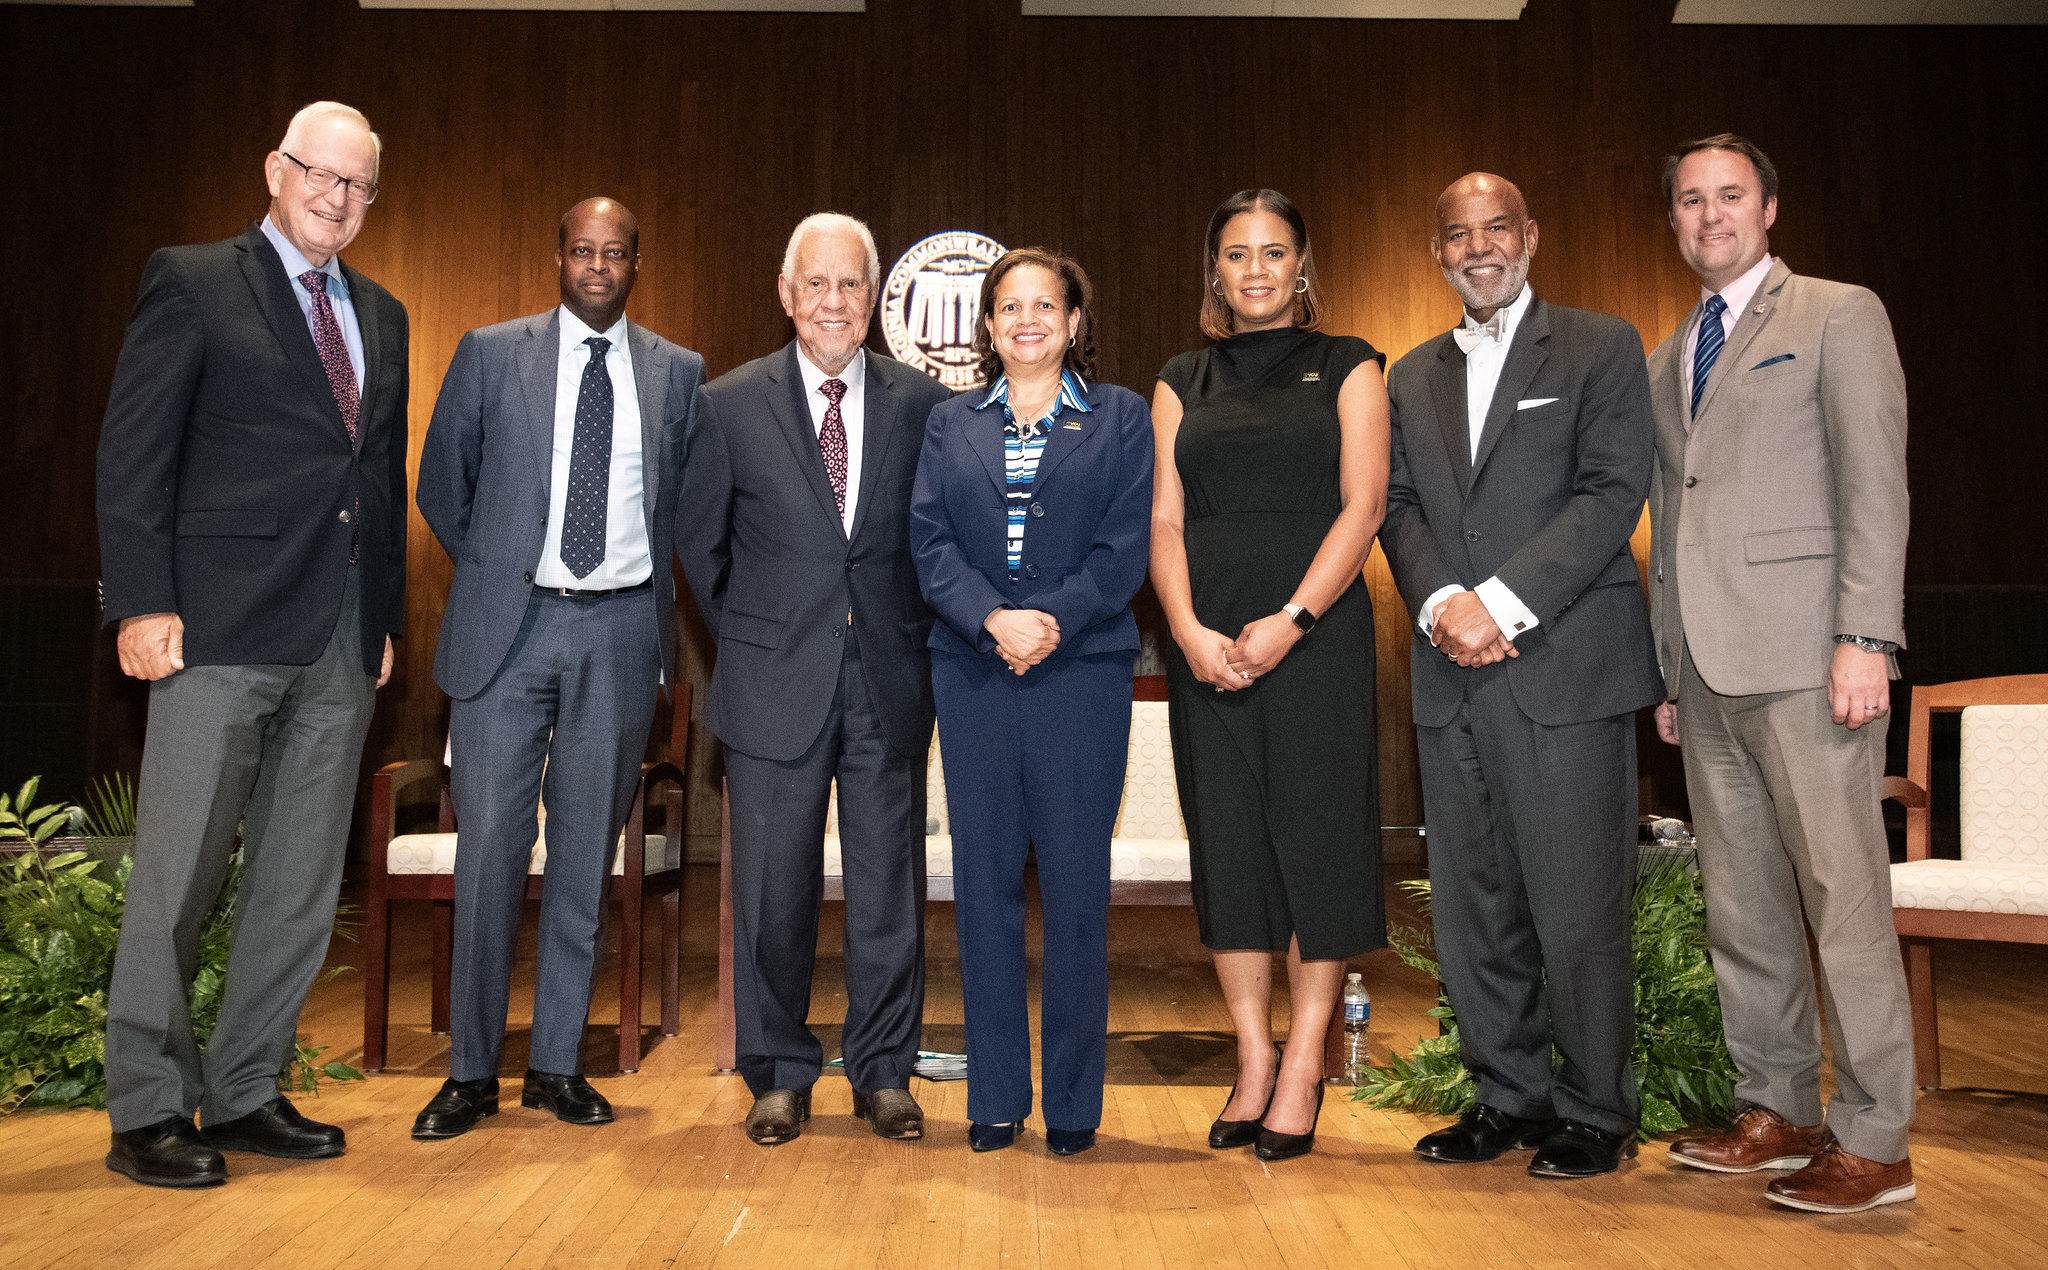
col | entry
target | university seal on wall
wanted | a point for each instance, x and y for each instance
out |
(930, 303)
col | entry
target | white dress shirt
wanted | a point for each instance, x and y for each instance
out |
(852, 413)
(1737, 294)
(338, 299)
(1482, 378)
(628, 561)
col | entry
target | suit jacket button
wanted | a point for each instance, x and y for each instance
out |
(529, 578)
(1471, 535)
(1691, 481)
(851, 565)
(835, 632)
(1038, 509)
(345, 517)
(1030, 570)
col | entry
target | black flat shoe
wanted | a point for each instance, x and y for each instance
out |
(167, 1153)
(456, 1108)
(1226, 1135)
(276, 1128)
(1481, 1134)
(1068, 1141)
(991, 1137)
(1577, 1149)
(570, 1097)
(1285, 1146)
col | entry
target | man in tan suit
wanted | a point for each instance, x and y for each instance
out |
(1779, 510)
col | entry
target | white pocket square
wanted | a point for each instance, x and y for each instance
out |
(1532, 402)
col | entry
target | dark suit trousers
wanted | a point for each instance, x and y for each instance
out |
(275, 748)
(1532, 863)
(778, 865)
(1034, 761)
(563, 722)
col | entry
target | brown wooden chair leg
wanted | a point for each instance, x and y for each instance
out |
(376, 979)
(1926, 1030)
(728, 1047)
(630, 949)
(444, 958)
(672, 962)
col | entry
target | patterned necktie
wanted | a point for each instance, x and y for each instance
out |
(1708, 351)
(341, 377)
(832, 441)
(590, 466)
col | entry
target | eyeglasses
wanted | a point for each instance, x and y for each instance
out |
(320, 180)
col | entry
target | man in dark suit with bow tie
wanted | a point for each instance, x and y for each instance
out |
(549, 475)
(252, 543)
(1522, 451)
(794, 529)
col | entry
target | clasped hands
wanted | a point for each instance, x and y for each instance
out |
(1024, 637)
(1227, 664)
(1467, 634)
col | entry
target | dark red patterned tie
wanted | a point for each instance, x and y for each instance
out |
(832, 440)
(341, 377)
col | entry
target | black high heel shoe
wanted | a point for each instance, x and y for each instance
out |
(1225, 1135)
(1285, 1146)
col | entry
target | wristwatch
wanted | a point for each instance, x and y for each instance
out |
(1867, 644)
(1304, 621)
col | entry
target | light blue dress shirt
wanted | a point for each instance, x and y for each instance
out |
(295, 263)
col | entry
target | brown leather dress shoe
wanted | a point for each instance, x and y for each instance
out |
(778, 1115)
(1838, 1182)
(892, 1112)
(1759, 1139)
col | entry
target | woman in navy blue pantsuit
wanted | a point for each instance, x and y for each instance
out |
(1030, 523)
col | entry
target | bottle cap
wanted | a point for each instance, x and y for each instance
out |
(1353, 977)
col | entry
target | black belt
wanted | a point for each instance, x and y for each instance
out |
(591, 595)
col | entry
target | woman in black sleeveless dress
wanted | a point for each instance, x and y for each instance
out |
(1271, 482)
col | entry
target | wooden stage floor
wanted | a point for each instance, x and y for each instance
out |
(675, 1183)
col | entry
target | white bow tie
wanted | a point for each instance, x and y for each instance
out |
(1469, 336)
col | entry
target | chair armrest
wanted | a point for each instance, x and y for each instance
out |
(391, 781)
(1904, 792)
(654, 775)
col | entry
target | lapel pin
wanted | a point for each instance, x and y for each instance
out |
(1072, 425)
(1762, 308)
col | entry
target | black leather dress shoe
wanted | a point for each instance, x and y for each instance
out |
(1068, 1141)
(570, 1097)
(778, 1116)
(1577, 1149)
(893, 1113)
(167, 1153)
(1285, 1146)
(1227, 1135)
(276, 1128)
(991, 1137)
(1481, 1134)
(456, 1108)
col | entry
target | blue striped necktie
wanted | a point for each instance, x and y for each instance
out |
(1708, 351)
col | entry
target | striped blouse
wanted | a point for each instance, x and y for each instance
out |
(1023, 445)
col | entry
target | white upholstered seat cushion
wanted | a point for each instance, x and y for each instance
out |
(435, 853)
(2004, 785)
(1968, 886)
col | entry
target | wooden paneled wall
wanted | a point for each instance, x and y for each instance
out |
(1901, 149)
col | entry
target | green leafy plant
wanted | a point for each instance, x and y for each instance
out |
(109, 810)
(1681, 1057)
(22, 821)
(59, 926)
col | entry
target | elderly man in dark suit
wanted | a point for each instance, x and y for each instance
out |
(1522, 451)
(794, 529)
(252, 542)
(549, 475)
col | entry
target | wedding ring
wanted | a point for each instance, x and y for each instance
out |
(1244, 674)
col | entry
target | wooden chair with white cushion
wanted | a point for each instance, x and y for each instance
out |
(422, 866)
(1998, 890)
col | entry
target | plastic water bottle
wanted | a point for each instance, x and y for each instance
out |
(1357, 1014)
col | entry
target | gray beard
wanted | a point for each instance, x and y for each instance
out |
(1512, 279)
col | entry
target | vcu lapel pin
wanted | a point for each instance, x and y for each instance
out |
(1761, 308)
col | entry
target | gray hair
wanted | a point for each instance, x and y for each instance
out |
(831, 222)
(320, 112)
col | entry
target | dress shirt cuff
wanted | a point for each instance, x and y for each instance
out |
(1510, 614)
(1428, 619)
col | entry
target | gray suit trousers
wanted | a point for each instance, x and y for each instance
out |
(1532, 861)
(563, 722)
(1785, 802)
(275, 749)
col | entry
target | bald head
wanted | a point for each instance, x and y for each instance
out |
(596, 206)
(1484, 240)
(599, 257)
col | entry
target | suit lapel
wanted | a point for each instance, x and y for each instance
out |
(1525, 357)
(1752, 319)
(793, 414)
(372, 328)
(650, 384)
(1447, 390)
(985, 438)
(1064, 440)
(880, 422)
(280, 306)
(537, 359)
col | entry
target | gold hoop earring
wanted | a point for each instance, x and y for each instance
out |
(1216, 285)
(1070, 341)
(1301, 284)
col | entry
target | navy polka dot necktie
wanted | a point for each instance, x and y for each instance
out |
(590, 466)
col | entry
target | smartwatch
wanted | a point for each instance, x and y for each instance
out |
(1304, 621)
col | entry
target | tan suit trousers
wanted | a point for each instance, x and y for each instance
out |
(1786, 805)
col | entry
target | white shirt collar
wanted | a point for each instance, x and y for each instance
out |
(295, 262)
(575, 331)
(854, 376)
(1737, 293)
(1510, 317)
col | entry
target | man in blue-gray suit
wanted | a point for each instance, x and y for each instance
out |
(794, 529)
(550, 475)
